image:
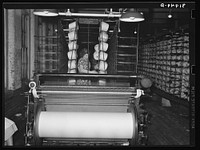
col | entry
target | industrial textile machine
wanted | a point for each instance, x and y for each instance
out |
(62, 112)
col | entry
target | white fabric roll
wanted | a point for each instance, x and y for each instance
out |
(72, 54)
(73, 26)
(103, 36)
(103, 65)
(72, 64)
(101, 46)
(72, 71)
(104, 26)
(72, 45)
(102, 72)
(103, 55)
(85, 125)
(72, 35)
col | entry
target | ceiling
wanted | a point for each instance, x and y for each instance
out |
(156, 19)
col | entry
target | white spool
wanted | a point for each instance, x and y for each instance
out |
(104, 26)
(86, 125)
(101, 46)
(72, 64)
(103, 37)
(73, 26)
(103, 65)
(72, 35)
(102, 72)
(72, 54)
(100, 55)
(72, 45)
(72, 71)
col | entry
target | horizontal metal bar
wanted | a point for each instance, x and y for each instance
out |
(130, 63)
(126, 55)
(47, 36)
(85, 139)
(48, 44)
(123, 37)
(89, 14)
(87, 104)
(67, 87)
(127, 46)
(125, 71)
(84, 92)
(87, 75)
(48, 52)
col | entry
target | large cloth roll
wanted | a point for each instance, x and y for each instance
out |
(85, 125)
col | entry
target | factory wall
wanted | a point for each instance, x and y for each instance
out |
(13, 49)
(18, 58)
(19, 31)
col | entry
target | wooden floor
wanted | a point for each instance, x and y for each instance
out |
(169, 125)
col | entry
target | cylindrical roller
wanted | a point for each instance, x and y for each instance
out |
(86, 125)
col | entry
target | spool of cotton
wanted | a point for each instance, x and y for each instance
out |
(100, 55)
(72, 45)
(72, 35)
(103, 37)
(101, 46)
(72, 64)
(103, 65)
(104, 26)
(72, 54)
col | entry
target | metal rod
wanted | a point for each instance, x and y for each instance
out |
(89, 15)
(88, 87)
(85, 139)
(88, 104)
(88, 75)
(84, 92)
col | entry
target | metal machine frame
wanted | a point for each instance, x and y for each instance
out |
(37, 104)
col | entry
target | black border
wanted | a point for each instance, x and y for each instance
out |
(110, 4)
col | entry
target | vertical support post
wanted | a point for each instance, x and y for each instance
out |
(137, 49)
(31, 44)
(5, 49)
